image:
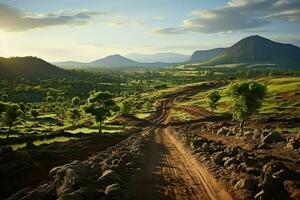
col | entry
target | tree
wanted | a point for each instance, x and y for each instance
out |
(148, 106)
(49, 99)
(213, 99)
(127, 106)
(22, 107)
(11, 114)
(61, 113)
(101, 105)
(75, 101)
(4, 97)
(75, 115)
(2, 107)
(247, 100)
(34, 113)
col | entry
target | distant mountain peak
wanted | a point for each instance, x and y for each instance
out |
(166, 57)
(257, 49)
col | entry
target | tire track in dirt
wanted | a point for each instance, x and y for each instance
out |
(170, 171)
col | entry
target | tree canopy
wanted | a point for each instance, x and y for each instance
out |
(247, 99)
(101, 105)
(213, 99)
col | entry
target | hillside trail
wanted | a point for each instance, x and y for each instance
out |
(171, 172)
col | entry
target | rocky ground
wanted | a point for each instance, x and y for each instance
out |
(208, 158)
(28, 167)
(258, 164)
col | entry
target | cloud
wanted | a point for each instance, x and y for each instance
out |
(171, 31)
(117, 20)
(12, 19)
(237, 15)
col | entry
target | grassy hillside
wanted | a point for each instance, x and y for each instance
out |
(283, 98)
(29, 67)
(256, 49)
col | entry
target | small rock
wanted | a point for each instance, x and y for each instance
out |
(248, 133)
(291, 186)
(247, 183)
(230, 161)
(108, 177)
(293, 144)
(222, 131)
(113, 190)
(253, 171)
(217, 157)
(272, 137)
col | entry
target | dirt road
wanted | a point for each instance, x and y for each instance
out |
(171, 172)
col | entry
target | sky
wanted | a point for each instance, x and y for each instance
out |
(85, 30)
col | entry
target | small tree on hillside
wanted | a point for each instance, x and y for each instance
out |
(127, 106)
(2, 107)
(4, 97)
(34, 113)
(247, 100)
(101, 105)
(148, 106)
(75, 115)
(213, 99)
(49, 99)
(75, 101)
(61, 113)
(11, 114)
(23, 107)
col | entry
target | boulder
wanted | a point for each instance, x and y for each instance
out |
(272, 137)
(263, 146)
(256, 134)
(291, 186)
(66, 177)
(248, 133)
(247, 183)
(222, 131)
(232, 150)
(293, 144)
(196, 144)
(217, 157)
(274, 173)
(229, 133)
(108, 177)
(230, 161)
(114, 191)
(253, 171)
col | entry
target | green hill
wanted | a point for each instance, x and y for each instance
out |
(29, 67)
(256, 49)
(204, 55)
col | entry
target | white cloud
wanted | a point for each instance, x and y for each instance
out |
(237, 15)
(12, 19)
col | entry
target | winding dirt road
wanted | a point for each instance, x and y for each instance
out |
(171, 172)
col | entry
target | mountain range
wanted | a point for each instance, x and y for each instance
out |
(158, 57)
(250, 50)
(112, 61)
(253, 50)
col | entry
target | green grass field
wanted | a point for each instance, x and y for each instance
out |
(283, 97)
